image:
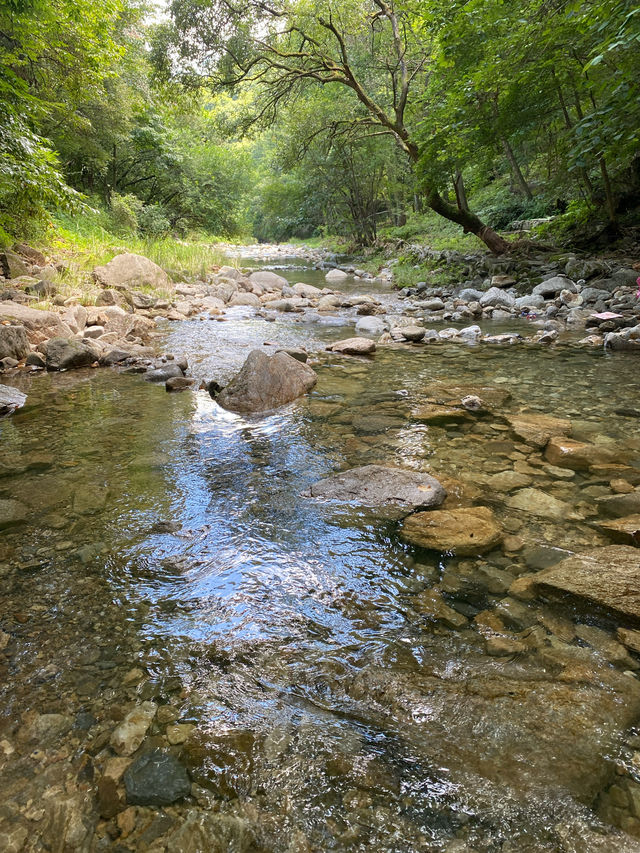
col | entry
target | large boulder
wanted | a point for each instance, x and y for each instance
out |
(38, 324)
(378, 485)
(268, 280)
(608, 578)
(131, 271)
(66, 354)
(265, 383)
(14, 342)
(553, 286)
(12, 265)
(336, 275)
(464, 531)
(496, 298)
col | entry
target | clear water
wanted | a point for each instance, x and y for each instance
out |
(167, 535)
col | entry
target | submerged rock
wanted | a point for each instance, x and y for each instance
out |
(10, 400)
(156, 779)
(464, 531)
(539, 503)
(608, 577)
(537, 429)
(265, 383)
(11, 512)
(376, 485)
(566, 453)
(625, 530)
(128, 736)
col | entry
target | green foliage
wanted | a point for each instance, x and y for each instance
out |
(125, 213)
(153, 222)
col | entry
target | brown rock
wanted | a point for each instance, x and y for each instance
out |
(178, 383)
(607, 577)
(566, 453)
(131, 271)
(464, 531)
(354, 346)
(537, 429)
(109, 801)
(434, 414)
(430, 603)
(624, 530)
(444, 394)
(629, 638)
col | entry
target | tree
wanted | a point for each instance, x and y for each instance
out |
(373, 48)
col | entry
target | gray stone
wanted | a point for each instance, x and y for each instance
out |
(10, 400)
(268, 280)
(376, 485)
(265, 383)
(164, 372)
(371, 326)
(156, 779)
(554, 285)
(494, 298)
(14, 342)
(11, 512)
(129, 271)
(354, 346)
(68, 354)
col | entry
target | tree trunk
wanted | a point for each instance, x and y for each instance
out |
(469, 221)
(517, 171)
(608, 192)
(461, 193)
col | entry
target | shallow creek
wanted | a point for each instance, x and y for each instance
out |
(170, 554)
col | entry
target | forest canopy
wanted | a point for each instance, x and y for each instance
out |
(294, 119)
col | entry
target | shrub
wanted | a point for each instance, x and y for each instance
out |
(125, 210)
(153, 221)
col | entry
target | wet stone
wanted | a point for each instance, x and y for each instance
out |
(157, 778)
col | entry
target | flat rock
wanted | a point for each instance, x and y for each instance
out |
(579, 456)
(376, 485)
(354, 346)
(34, 320)
(445, 394)
(608, 577)
(128, 271)
(620, 505)
(625, 530)
(127, 737)
(413, 333)
(265, 383)
(11, 512)
(464, 531)
(156, 779)
(537, 502)
(538, 429)
(431, 413)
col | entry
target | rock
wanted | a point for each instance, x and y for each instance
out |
(249, 299)
(530, 301)
(494, 298)
(298, 353)
(178, 383)
(566, 453)
(434, 304)
(110, 297)
(538, 429)
(508, 481)
(374, 424)
(620, 505)
(499, 646)
(354, 346)
(265, 383)
(434, 414)
(307, 291)
(131, 271)
(378, 485)
(32, 255)
(537, 502)
(430, 603)
(45, 729)
(68, 354)
(624, 530)
(93, 332)
(11, 512)
(371, 326)
(502, 281)
(413, 333)
(464, 531)
(164, 373)
(88, 500)
(14, 342)
(10, 400)
(127, 737)
(554, 285)
(629, 638)
(336, 275)
(268, 280)
(625, 340)
(156, 779)
(34, 320)
(109, 801)
(214, 833)
(604, 643)
(443, 394)
(607, 577)
(12, 265)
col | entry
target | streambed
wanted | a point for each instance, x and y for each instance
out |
(299, 664)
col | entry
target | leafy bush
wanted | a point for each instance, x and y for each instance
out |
(153, 221)
(125, 210)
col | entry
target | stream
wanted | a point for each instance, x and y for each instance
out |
(171, 554)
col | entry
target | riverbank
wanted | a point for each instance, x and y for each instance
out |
(198, 654)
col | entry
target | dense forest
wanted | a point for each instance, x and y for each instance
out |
(297, 119)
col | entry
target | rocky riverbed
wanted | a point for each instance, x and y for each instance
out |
(400, 613)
